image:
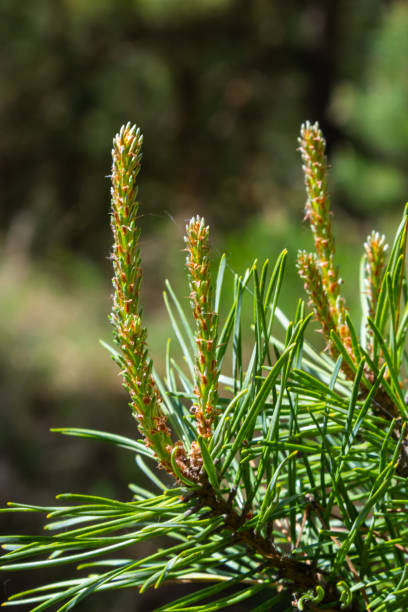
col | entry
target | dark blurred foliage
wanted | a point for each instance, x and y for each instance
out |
(219, 88)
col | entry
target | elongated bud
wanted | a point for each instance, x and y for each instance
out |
(129, 332)
(312, 147)
(374, 262)
(201, 299)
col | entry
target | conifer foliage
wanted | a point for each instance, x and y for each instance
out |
(289, 468)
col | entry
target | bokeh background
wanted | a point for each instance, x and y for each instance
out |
(219, 88)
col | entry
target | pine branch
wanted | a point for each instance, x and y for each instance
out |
(290, 478)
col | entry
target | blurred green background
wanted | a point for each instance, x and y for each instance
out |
(219, 89)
